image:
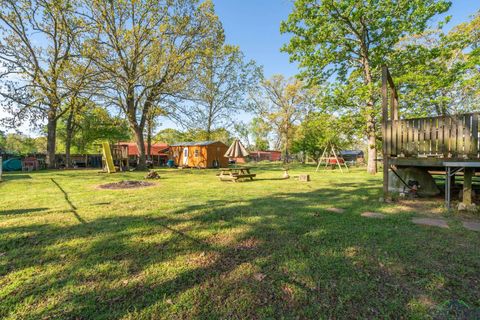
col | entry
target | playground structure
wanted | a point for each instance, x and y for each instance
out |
(447, 143)
(331, 157)
(114, 157)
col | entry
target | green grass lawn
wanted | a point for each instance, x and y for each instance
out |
(195, 247)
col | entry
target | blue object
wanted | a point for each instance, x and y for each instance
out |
(171, 163)
(13, 164)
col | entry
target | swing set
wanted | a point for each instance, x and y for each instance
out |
(329, 157)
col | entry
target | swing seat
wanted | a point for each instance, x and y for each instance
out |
(333, 161)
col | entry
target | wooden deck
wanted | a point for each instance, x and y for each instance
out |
(445, 137)
(435, 143)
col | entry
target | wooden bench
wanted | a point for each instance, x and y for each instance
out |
(234, 174)
(236, 177)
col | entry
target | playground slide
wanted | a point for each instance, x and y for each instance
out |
(107, 155)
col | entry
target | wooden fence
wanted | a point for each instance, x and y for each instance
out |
(453, 136)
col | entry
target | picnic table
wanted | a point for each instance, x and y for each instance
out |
(234, 174)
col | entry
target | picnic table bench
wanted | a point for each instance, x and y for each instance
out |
(234, 174)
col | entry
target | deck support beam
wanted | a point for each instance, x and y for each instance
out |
(387, 83)
(467, 186)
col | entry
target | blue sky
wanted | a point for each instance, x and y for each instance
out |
(254, 26)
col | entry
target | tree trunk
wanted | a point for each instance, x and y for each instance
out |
(149, 139)
(141, 164)
(51, 139)
(68, 139)
(372, 147)
(371, 136)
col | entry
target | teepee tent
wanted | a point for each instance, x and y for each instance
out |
(236, 150)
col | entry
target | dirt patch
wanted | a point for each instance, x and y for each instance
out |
(126, 184)
(335, 210)
(248, 244)
(369, 214)
(427, 206)
(431, 222)
(471, 225)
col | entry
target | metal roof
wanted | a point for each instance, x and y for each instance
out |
(193, 143)
(351, 152)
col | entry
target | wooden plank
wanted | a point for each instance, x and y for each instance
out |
(453, 137)
(421, 139)
(468, 134)
(428, 125)
(438, 141)
(389, 137)
(460, 137)
(410, 137)
(475, 135)
(435, 136)
(441, 136)
(394, 151)
(415, 138)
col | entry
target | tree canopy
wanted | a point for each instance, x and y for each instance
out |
(349, 40)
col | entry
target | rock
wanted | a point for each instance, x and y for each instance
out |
(463, 207)
(427, 186)
(285, 175)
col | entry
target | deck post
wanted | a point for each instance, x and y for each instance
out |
(467, 186)
(384, 130)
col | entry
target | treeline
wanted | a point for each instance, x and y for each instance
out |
(112, 70)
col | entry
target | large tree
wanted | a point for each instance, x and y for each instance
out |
(218, 91)
(437, 71)
(38, 45)
(282, 103)
(82, 131)
(145, 50)
(349, 40)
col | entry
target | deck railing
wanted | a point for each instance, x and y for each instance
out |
(453, 136)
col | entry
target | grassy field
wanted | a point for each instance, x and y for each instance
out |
(194, 247)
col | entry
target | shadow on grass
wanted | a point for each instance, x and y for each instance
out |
(15, 176)
(21, 211)
(73, 209)
(289, 259)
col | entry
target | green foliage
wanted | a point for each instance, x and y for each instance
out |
(194, 247)
(20, 144)
(94, 126)
(281, 104)
(260, 130)
(438, 73)
(146, 50)
(348, 41)
(171, 136)
(334, 38)
(320, 130)
(218, 89)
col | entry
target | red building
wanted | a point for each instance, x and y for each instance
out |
(268, 155)
(159, 153)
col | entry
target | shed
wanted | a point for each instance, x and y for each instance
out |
(352, 155)
(158, 152)
(201, 154)
(269, 155)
